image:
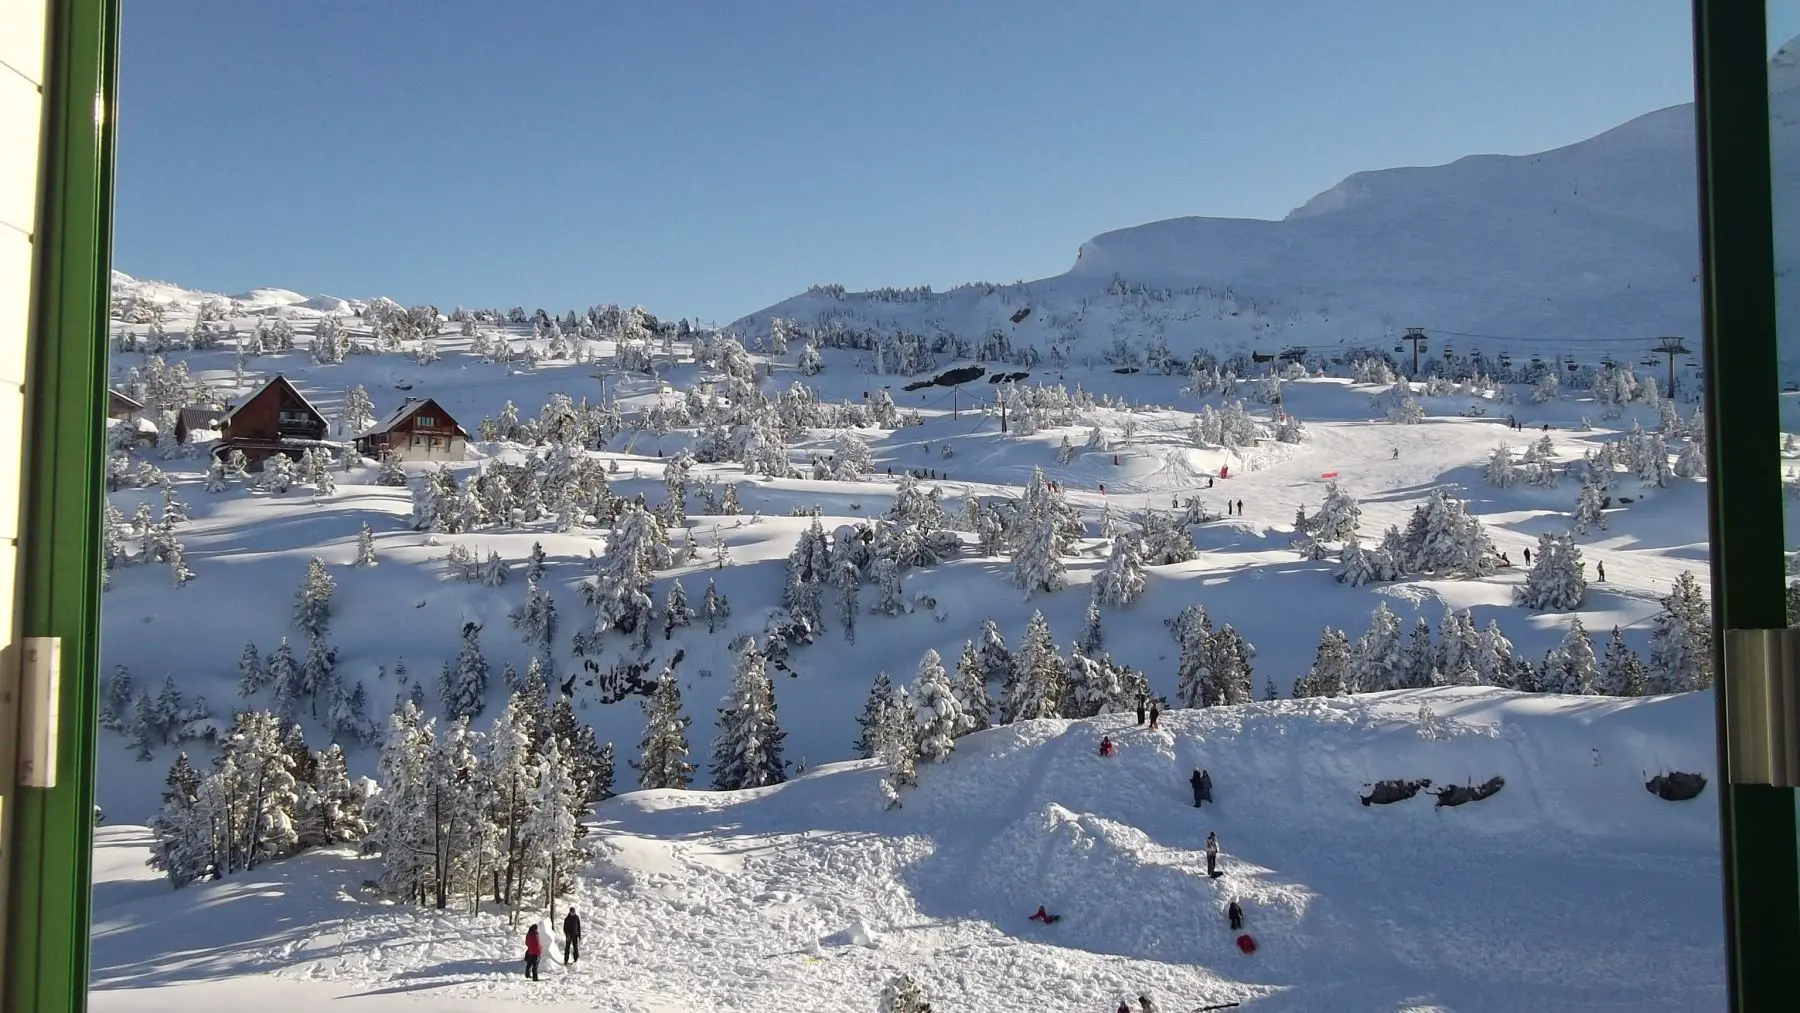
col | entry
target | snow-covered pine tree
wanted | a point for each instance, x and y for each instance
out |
(747, 750)
(1331, 672)
(1338, 516)
(332, 810)
(1038, 674)
(1500, 470)
(1576, 666)
(974, 704)
(1192, 630)
(1356, 565)
(1555, 582)
(941, 711)
(892, 601)
(676, 612)
(1494, 658)
(1092, 636)
(282, 674)
(1621, 673)
(1419, 664)
(551, 829)
(1681, 642)
(1232, 674)
(464, 691)
(995, 660)
(1458, 642)
(1122, 582)
(1587, 507)
(365, 546)
(849, 585)
(897, 746)
(252, 676)
(312, 603)
(714, 607)
(182, 834)
(868, 723)
(318, 674)
(663, 751)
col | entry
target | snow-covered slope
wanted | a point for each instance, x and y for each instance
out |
(1590, 249)
(1571, 889)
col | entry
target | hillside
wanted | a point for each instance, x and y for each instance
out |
(1587, 250)
(1573, 888)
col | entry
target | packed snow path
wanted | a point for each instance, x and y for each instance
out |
(1572, 889)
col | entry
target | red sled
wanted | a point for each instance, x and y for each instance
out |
(1246, 944)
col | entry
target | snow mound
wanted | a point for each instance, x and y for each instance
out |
(857, 933)
(326, 304)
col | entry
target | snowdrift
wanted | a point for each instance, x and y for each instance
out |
(1572, 889)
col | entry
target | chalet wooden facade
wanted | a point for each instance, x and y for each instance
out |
(275, 419)
(119, 406)
(418, 430)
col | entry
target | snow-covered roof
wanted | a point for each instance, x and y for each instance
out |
(404, 411)
(127, 398)
(276, 379)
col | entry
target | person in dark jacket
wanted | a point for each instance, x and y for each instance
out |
(1199, 793)
(571, 937)
(1155, 712)
(1236, 914)
(533, 950)
(1205, 786)
(1142, 703)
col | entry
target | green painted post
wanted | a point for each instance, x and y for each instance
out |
(59, 581)
(1762, 892)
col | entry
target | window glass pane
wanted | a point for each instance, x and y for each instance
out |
(1336, 487)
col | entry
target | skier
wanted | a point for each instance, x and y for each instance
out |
(1106, 746)
(1527, 557)
(1396, 456)
(1141, 708)
(571, 937)
(1199, 788)
(1602, 568)
(1240, 508)
(1155, 712)
(1212, 853)
(533, 950)
(1236, 914)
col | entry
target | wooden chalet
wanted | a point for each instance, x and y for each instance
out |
(418, 430)
(119, 406)
(191, 422)
(275, 419)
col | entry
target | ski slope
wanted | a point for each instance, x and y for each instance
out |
(1572, 889)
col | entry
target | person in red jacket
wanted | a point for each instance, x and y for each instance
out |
(533, 950)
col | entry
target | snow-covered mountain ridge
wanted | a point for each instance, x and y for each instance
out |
(1589, 249)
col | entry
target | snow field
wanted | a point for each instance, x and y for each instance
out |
(757, 900)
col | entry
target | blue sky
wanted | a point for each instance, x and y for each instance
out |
(709, 158)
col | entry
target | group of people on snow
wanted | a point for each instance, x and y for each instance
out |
(534, 946)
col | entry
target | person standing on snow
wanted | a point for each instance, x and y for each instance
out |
(1199, 788)
(1155, 712)
(1212, 853)
(1206, 786)
(571, 938)
(1145, 1005)
(533, 950)
(1142, 703)
(1236, 914)
(1602, 567)
(1124, 1006)
(1240, 508)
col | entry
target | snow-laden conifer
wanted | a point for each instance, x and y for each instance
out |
(1122, 582)
(974, 704)
(1681, 641)
(663, 752)
(1038, 674)
(1555, 582)
(940, 710)
(747, 749)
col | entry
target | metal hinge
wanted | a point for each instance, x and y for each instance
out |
(40, 693)
(1762, 707)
